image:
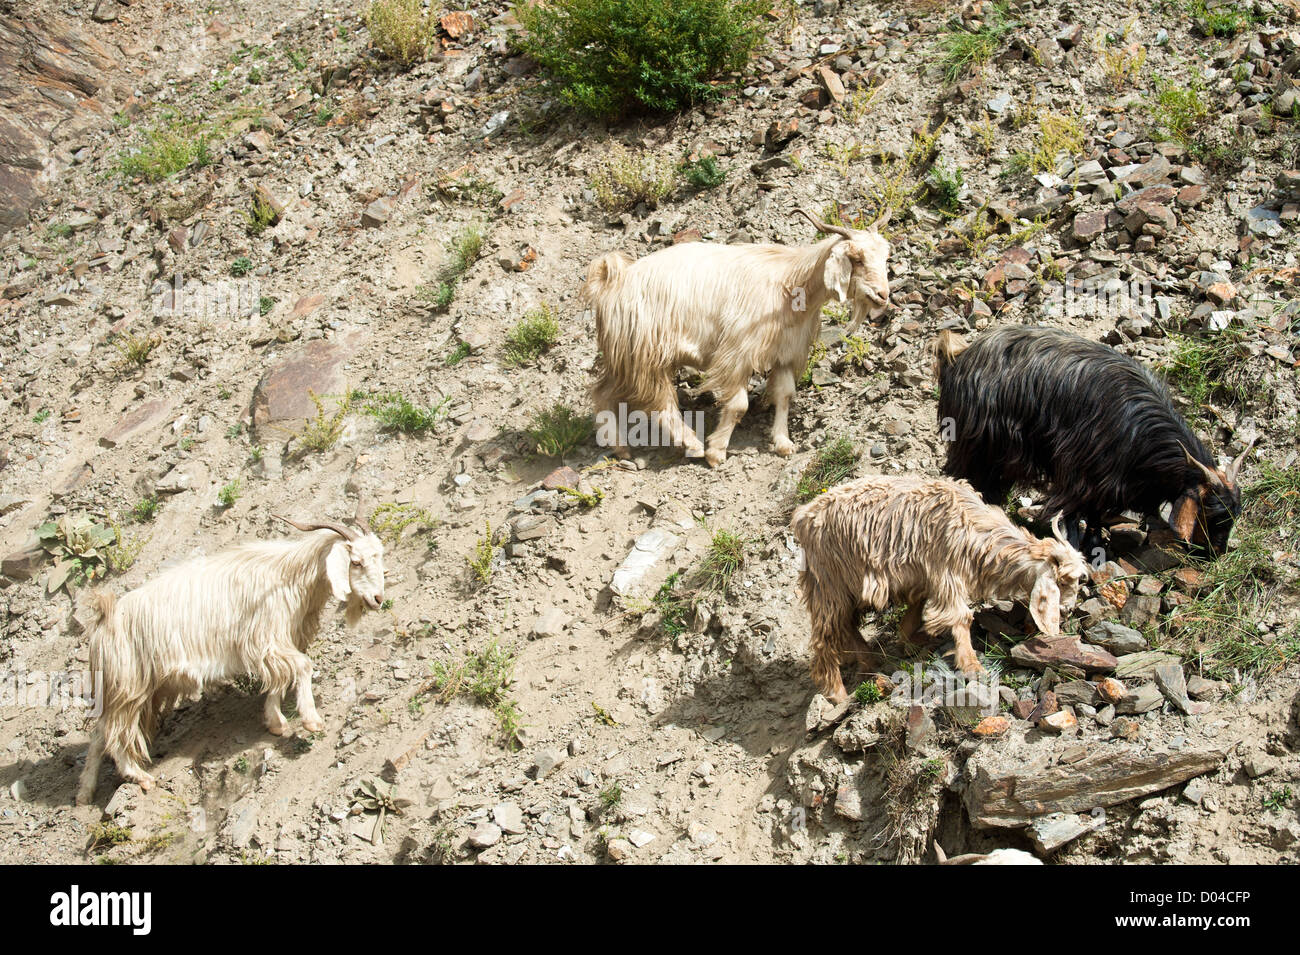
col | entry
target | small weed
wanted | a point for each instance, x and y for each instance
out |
(389, 520)
(458, 354)
(229, 494)
(704, 173)
(533, 336)
(1182, 110)
(241, 266)
(867, 693)
(105, 834)
(485, 676)
(241, 765)
(611, 796)
(260, 217)
(42, 416)
(945, 185)
(146, 509)
(672, 606)
(586, 501)
(165, 153)
(484, 553)
(321, 433)
(1278, 799)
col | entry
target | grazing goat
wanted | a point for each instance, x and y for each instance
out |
(931, 544)
(1038, 406)
(252, 609)
(729, 311)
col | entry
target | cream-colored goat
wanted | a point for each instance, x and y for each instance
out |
(729, 311)
(253, 609)
(929, 543)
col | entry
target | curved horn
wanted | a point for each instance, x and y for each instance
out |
(346, 533)
(360, 518)
(881, 220)
(825, 226)
(1058, 530)
(1235, 467)
(1211, 476)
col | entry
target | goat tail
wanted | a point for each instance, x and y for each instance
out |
(603, 273)
(946, 348)
(101, 604)
(123, 676)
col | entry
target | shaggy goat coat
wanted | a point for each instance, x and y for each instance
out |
(1041, 407)
(253, 610)
(729, 311)
(931, 544)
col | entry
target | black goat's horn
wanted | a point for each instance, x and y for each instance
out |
(1235, 467)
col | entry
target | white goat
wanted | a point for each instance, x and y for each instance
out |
(729, 311)
(252, 609)
(932, 544)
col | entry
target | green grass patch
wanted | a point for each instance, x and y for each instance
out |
(533, 336)
(830, 465)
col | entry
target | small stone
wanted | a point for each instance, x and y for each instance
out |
(848, 802)
(1140, 699)
(509, 817)
(1125, 729)
(618, 849)
(1062, 721)
(487, 834)
(1111, 690)
(992, 726)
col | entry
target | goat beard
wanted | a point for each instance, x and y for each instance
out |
(353, 610)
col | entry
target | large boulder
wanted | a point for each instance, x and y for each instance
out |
(57, 83)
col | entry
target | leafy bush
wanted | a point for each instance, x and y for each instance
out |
(613, 57)
(165, 153)
(402, 29)
(557, 431)
(704, 173)
(625, 179)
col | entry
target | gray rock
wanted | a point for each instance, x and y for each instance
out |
(1048, 833)
(509, 817)
(487, 834)
(1141, 699)
(1116, 638)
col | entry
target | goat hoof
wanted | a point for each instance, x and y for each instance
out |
(145, 782)
(969, 664)
(278, 729)
(785, 448)
(714, 457)
(313, 725)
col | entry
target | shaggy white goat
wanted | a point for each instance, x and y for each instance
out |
(729, 311)
(252, 609)
(932, 544)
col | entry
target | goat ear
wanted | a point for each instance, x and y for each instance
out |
(1045, 605)
(838, 271)
(338, 570)
(1182, 517)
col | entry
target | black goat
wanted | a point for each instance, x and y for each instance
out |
(1039, 406)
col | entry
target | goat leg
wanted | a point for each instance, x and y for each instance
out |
(965, 657)
(733, 409)
(780, 388)
(311, 720)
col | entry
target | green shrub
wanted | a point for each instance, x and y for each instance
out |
(704, 173)
(165, 153)
(533, 336)
(613, 57)
(832, 464)
(403, 30)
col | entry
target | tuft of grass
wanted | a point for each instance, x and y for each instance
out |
(164, 153)
(533, 336)
(624, 179)
(462, 252)
(403, 30)
(558, 430)
(485, 551)
(611, 796)
(1219, 627)
(963, 50)
(831, 464)
(395, 412)
(1219, 368)
(485, 676)
(136, 350)
(458, 354)
(1122, 67)
(1222, 19)
(724, 557)
(609, 58)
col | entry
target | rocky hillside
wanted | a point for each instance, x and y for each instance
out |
(253, 267)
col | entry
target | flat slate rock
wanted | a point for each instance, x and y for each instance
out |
(1010, 787)
(1043, 651)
